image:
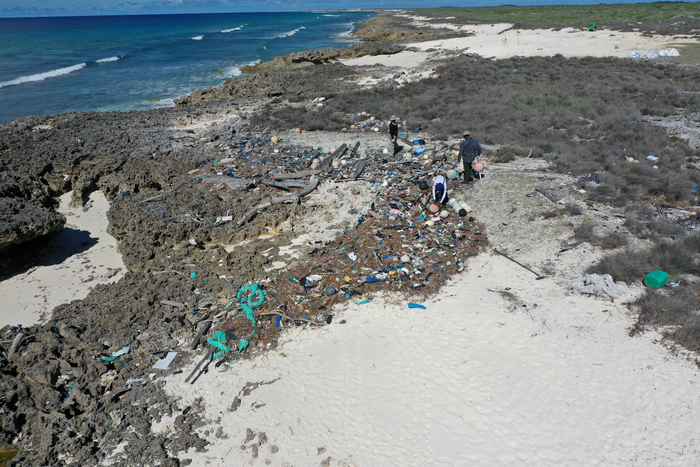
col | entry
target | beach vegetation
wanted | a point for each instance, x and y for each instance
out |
(585, 115)
(568, 15)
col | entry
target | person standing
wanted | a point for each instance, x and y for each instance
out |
(394, 130)
(469, 150)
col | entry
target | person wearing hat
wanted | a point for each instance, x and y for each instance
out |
(469, 150)
(394, 130)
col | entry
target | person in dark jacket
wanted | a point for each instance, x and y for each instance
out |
(394, 131)
(469, 150)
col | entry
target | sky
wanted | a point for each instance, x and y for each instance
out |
(32, 8)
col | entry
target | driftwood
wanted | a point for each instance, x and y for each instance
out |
(546, 194)
(285, 185)
(207, 356)
(202, 331)
(354, 150)
(519, 264)
(359, 168)
(303, 174)
(572, 246)
(15, 345)
(171, 303)
(326, 163)
(313, 183)
(234, 184)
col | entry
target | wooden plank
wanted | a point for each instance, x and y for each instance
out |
(359, 168)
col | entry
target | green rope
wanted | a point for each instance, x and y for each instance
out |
(242, 345)
(247, 302)
(219, 341)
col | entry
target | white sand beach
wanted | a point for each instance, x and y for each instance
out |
(500, 41)
(81, 256)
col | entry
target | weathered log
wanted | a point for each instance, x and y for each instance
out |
(202, 331)
(326, 163)
(354, 150)
(313, 183)
(359, 168)
(303, 174)
(15, 345)
(546, 194)
(285, 185)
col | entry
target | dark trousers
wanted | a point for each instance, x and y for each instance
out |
(468, 173)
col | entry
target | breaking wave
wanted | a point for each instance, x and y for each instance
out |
(197, 38)
(106, 60)
(232, 29)
(289, 33)
(43, 76)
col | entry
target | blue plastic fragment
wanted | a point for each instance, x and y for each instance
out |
(415, 305)
(277, 321)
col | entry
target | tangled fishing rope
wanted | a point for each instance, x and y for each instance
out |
(247, 302)
(219, 341)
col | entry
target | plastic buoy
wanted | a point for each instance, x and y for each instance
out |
(352, 127)
(433, 208)
(444, 214)
(274, 139)
(456, 153)
(479, 166)
(452, 175)
(298, 130)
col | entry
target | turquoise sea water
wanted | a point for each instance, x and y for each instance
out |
(66, 64)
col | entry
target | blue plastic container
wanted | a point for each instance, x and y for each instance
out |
(416, 130)
(416, 142)
(419, 151)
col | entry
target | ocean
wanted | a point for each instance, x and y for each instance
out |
(105, 63)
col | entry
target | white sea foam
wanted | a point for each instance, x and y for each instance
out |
(106, 60)
(347, 33)
(232, 29)
(289, 33)
(43, 76)
(332, 15)
(197, 38)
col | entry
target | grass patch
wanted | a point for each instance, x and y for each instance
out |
(574, 15)
(676, 257)
(675, 310)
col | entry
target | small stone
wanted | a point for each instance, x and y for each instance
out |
(219, 431)
(235, 405)
(254, 448)
(326, 462)
(250, 434)
(274, 449)
(321, 450)
(262, 438)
